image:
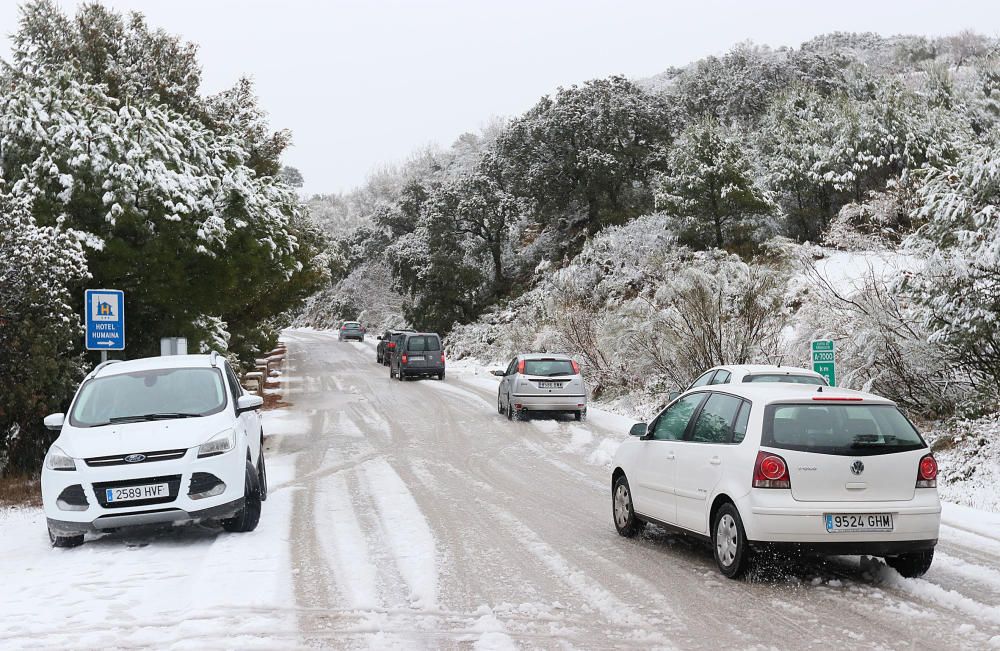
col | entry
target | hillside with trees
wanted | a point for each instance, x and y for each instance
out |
(661, 226)
(115, 171)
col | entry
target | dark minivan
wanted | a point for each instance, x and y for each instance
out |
(417, 354)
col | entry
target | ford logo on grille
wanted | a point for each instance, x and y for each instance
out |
(135, 458)
(857, 467)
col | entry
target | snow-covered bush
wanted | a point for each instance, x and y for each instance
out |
(40, 332)
(959, 287)
(882, 345)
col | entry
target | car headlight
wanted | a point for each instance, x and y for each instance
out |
(56, 459)
(221, 442)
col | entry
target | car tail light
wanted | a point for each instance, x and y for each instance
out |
(927, 472)
(770, 471)
(576, 368)
(442, 358)
(520, 367)
(343, 327)
(391, 345)
(404, 359)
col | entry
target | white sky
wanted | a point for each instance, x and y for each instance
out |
(364, 83)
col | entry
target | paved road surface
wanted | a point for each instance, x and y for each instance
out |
(425, 515)
(412, 516)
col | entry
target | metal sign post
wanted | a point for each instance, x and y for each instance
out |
(824, 359)
(104, 313)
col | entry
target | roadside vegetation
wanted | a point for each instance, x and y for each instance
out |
(655, 228)
(115, 171)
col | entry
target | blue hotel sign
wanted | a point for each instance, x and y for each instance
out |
(105, 319)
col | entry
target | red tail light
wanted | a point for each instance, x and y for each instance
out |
(770, 471)
(927, 472)
(343, 327)
(404, 359)
(442, 358)
(391, 345)
(576, 368)
(520, 367)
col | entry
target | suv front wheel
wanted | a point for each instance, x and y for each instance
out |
(248, 516)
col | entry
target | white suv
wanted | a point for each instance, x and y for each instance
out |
(161, 439)
(771, 465)
(541, 382)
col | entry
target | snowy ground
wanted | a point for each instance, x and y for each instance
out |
(413, 516)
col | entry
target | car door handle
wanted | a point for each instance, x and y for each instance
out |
(715, 461)
(671, 456)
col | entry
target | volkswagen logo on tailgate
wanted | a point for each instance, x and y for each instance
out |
(857, 467)
(138, 458)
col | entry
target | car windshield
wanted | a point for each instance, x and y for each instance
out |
(548, 367)
(149, 395)
(782, 377)
(422, 343)
(850, 430)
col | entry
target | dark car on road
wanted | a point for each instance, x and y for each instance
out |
(387, 343)
(417, 354)
(352, 330)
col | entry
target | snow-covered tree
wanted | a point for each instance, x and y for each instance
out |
(40, 332)
(709, 188)
(960, 239)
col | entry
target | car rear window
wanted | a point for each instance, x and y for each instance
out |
(423, 343)
(849, 430)
(352, 326)
(782, 377)
(548, 367)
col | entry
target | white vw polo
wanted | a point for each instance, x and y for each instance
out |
(810, 468)
(155, 440)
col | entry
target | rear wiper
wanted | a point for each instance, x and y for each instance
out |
(156, 416)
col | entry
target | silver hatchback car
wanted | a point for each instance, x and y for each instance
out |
(541, 382)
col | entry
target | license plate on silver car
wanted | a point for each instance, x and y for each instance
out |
(417, 358)
(133, 493)
(550, 385)
(858, 522)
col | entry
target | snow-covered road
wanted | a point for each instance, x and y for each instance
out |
(411, 515)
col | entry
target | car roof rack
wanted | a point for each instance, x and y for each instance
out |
(98, 368)
(215, 358)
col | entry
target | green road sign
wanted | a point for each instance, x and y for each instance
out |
(824, 360)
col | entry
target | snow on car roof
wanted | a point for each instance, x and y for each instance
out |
(153, 363)
(750, 369)
(768, 392)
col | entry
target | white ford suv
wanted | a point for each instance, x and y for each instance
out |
(810, 468)
(161, 439)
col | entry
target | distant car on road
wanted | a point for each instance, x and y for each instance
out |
(541, 382)
(417, 354)
(770, 466)
(387, 343)
(352, 330)
(156, 440)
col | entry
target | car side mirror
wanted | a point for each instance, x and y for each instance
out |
(54, 421)
(248, 403)
(498, 373)
(673, 395)
(639, 429)
(379, 337)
